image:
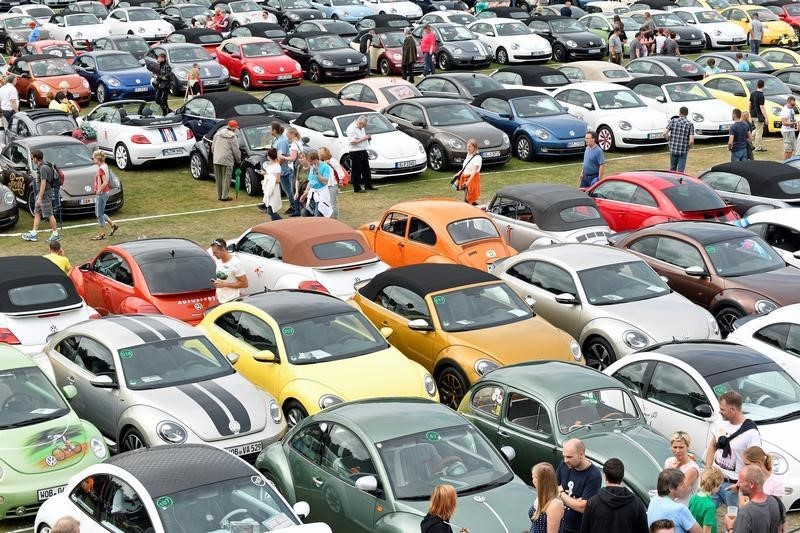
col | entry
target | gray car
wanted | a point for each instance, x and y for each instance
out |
(149, 380)
(456, 46)
(612, 303)
(181, 57)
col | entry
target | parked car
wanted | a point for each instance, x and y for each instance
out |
(98, 9)
(501, 11)
(776, 31)
(727, 62)
(345, 30)
(79, 29)
(555, 9)
(49, 47)
(432, 6)
(538, 214)
(780, 228)
(290, 13)
(40, 13)
(289, 103)
(38, 122)
(9, 211)
(463, 86)
(457, 47)
(452, 16)
(785, 12)
(511, 40)
(347, 10)
(207, 38)
(141, 21)
(536, 407)
(377, 92)
(386, 53)
(114, 75)
(690, 38)
(256, 62)
(680, 67)
(383, 20)
(203, 112)
(270, 30)
(776, 335)
(735, 88)
(323, 56)
(404, 8)
(39, 77)
(781, 58)
(14, 31)
(602, 25)
(186, 15)
(752, 186)
(569, 38)
(718, 32)
(606, 7)
(181, 57)
(530, 77)
(599, 71)
(133, 44)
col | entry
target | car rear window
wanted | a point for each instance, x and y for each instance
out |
(689, 196)
(791, 186)
(41, 294)
(337, 249)
(179, 275)
(580, 213)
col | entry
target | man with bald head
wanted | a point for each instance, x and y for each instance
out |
(763, 513)
(578, 480)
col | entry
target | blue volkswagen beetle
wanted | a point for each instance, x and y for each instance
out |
(115, 75)
(346, 10)
(534, 121)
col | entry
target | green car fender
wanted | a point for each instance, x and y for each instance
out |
(273, 464)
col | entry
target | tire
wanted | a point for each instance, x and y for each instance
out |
(132, 440)
(605, 138)
(252, 182)
(294, 412)
(452, 386)
(122, 157)
(502, 56)
(315, 73)
(32, 100)
(444, 61)
(334, 16)
(560, 54)
(598, 353)
(9, 47)
(709, 44)
(347, 162)
(437, 157)
(197, 167)
(286, 25)
(384, 68)
(725, 317)
(523, 146)
(31, 201)
(69, 40)
(100, 93)
(44, 528)
(247, 82)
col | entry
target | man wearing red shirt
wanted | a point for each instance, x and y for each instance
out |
(428, 48)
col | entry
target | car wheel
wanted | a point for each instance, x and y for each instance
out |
(315, 73)
(252, 182)
(69, 39)
(709, 43)
(347, 162)
(234, 25)
(101, 93)
(599, 353)
(294, 412)
(31, 201)
(334, 16)
(502, 56)
(287, 25)
(247, 82)
(726, 316)
(560, 53)
(9, 47)
(44, 528)
(605, 138)
(444, 61)
(132, 440)
(452, 386)
(437, 157)
(524, 148)
(197, 167)
(122, 157)
(32, 100)
(384, 68)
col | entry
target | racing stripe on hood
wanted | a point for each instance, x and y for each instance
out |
(237, 410)
(217, 415)
(163, 329)
(146, 334)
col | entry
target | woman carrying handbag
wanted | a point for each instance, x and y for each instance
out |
(469, 177)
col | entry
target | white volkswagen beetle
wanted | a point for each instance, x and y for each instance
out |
(79, 29)
(780, 228)
(719, 32)
(395, 7)
(511, 40)
(141, 21)
(776, 335)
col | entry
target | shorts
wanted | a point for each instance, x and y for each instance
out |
(46, 207)
(789, 141)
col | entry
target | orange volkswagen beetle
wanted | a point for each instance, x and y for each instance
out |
(436, 230)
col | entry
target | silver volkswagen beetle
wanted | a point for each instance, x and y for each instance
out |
(148, 380)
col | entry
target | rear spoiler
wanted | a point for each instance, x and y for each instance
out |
(153, 123)
(46, 311)
(346, 266)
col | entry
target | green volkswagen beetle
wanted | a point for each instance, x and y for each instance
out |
(42, 441)
(535, 407)
(371, 465)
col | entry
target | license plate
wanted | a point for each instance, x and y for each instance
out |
(404, 164)
(285, 77)
(76, 95)
(350, 69)
(43, 494)
(245, 449)
(724, 127)
(211, 82)
(593, 51)
(694, 43)
(490, 154)
(655, 135)
(172, 151)
(141, 89)
(575, 144)
(480, 58)
(417, 65)
(87, 201)
(160, 35)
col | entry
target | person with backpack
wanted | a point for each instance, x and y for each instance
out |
(45, 187)
(101, 189)
(163, 78)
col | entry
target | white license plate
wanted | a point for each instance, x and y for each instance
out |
(160, 35)
(593, 51)
(172, 151)
(141, 89)
(76, 95)
(480, 58)
(43, 494)
(490, 154)
(655, 135)
(404, 164)
(350, 69)
(417, 65)
(575, 144)
(285, 77)
(694, 43)
(724, 127)
(211, 82)
(87, 201)
(245, 449)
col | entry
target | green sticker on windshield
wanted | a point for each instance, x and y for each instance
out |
(711, 249)
(439, 300)
(432, 436)
(288, 331)
(719, 390)
(164, 502)
(126, 354)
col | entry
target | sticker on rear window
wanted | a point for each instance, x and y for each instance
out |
(126, 354)
(719, 390)
(288, 331)
(432, 436)
(164, 502)
(439, 300)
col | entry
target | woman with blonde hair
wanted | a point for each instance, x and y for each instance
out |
(548, 510)
(469, 179)
(193, 87)
(773, 485)
(684, 461)
(441, 508)
(101, 189)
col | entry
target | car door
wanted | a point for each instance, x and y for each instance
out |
(390, 239)
(87, 68)
(643, 206)
(421, 242)
(108, 284)
(85, 498)
(613, 200)
(438, 87)
(485, 408)
(411, 120)
(398, 306)
(527, 427)
(498, 113)
(122, 509)
(224, 58)
(16, 173)
(21, 70)
(198, 116)
(304, 452)
(260, 257)
(297, 49)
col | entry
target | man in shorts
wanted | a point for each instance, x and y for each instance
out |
(788, 128)
(43, 183)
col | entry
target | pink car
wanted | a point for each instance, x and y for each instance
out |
(376, 93)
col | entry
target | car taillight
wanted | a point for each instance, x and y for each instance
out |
(189, 134)
(7, 337)
(139, 139)
(93, 316)
(312, 286)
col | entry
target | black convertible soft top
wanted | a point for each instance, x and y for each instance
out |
(547, 200)
(301, 95)
(538, 75)
(425, 278)
(762, 176)
(506, 95)
(19, 281)
(655, 80)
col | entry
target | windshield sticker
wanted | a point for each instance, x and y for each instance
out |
(517, 312)
(439, 300)
(711, 249)
(43, 411)
(654, 288)
(164, 502)
(288, 331)
(432, 436)
(150, 379)
(719, 390)
(126, 354)
(279, 521)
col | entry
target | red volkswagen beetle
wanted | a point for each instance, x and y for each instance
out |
(258, 62)
(633, 200)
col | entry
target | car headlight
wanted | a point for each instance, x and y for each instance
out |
(182, 74)
(775, 111)
(372, 154)
(275, 411)
(298, 66)
(634, 339)
(455, 144)
(327, 63)
(258, 70)
(171, 432)
(98, 448)
(44, 88)
(542, 134)
(572, 44)
(442, 7)
(677, 37)
(764, 307)
(8, 197)
(113, 82)
(430, 386)
(397, 57)
(514, 46)
(505, 139)
(294, 16)
(457, 51)
(697, 117)
(779, 464)
(712, 324)
(329, 400)
(420, 149)
(363, 59)
(483, 366)
(624, 125)
(603, 42)
(224, 71)
(575, 350)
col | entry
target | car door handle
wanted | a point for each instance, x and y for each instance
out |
(71, 380)
(501, 433)
(317, 481)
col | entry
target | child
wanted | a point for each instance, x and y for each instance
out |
(702, 505)
(271, 184)
(193, 82)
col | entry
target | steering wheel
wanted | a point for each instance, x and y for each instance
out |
(226, 519)
(615, 414)
(447, 463)
(766, 400)
(15, 395)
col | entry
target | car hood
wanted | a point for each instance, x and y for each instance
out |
(712, 110)
(470, 46)
(92, 29)
(208, 69)
(480, 131)
(27, 449)
(75, 82)
(340, 56)
(79, 181)
(203, 407)
(687, 33)
(394, 144)
(306, 13)
(583, 38)
(357, 11)
(726, 28)
(274, 64)
(782, 285)
(643, 119)
(136, 76)
(563, 126)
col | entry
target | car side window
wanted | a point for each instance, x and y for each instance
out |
(368, 96)
(420, 231)
(648, 91)
(678, 253)
(230, 48)
(199, 107)
(112, 266)
(673, 387)
(528, 413)
(730, 86)
(318, 123)
(774, 335)
(431, 84)
(642, 197)
(553, 279)
(122, 508)
(633, 376)
(496, 105)
(95, 358)
(351, 92)
(395, 223)
(18, 156)
(256, 332)
(487, 400)
(618, 191)
(507, 78)
(722, 181)
(782, 237)
(575, 74)
(86, 494)
(345, 456)
(295, 42)
(523, 271)
(260, 245)
(228, 322)
(278, 101)
(100, 44)
(403, 302)
(308, 442)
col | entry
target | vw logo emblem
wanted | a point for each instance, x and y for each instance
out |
(486, 142)
(282, 69)
(50, 460)
(349, 60)
(87, 188)
(571, 132)
(138, 80)
(53, 328)
(234, 426)
(198, 306)
(258, 481)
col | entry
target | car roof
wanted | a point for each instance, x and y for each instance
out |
(582, 256)
(505, 94)
(426, 278)
(164, 470)
(307, 34)
(11, 358)
(43, 112)
(533, 74)
(25, 270)
(292, 305)
(195, 32)
(656, 80)
(499, 20)
(245, 121)
(762, 176)
(38, 57)
(430, 101)
(245, 40)
(332, 111)
(459, 75)
(549, 18)
(263, 25)
(710, 357)
(594, 86)
(705, 232)
(130, 331)
(548, 200)
(552, 380)
(225, 102)
(162, 249)
(301, 95)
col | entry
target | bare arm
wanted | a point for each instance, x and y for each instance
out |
(555, 512)
(602, 171)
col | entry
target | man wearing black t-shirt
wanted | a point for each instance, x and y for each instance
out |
(758, 114)
(578, 480)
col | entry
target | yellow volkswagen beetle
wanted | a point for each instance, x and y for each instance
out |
(735, 88)
(781, 57)
(776, 31)
(311, 351)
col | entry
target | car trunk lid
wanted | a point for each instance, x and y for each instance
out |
(339, 280)
(33, 327)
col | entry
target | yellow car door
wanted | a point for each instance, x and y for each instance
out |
(738, 17)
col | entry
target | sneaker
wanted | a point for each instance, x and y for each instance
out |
(30, 236)
(54, 237)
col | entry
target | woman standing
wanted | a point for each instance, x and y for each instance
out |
(193, 87)
(333, 184)
(683, 461)
(773, 485)
(101, 190)
(548, 510)
(294, 160)
(441, 508)
(271, 184)
(470, 179)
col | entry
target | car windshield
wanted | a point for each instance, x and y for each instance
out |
(55, 126)
(68, 155)
(132, 45)
(243, 7)
(461, 18)
(326, 42)
(507, 29)
(628, 24)
(193, 11)
(452, 115)
(709, 17)
(59, 50)
(591, 407)
(172, 362)
(256, 505)
(330, 337)
(393, 39)
(479, 307)
(51, 67)
(18, 23)
(765, 15)
(743, 256)
(455, 33)
(178, 274)
(690, 196)
(618, 99)
(719, 4)
(769, 394)
(141, 15)
(792, 9)
(84, 19)
(687, 92)
(396, 92)
(28, 397)
(258, 137)
(345, 3)
(459, 456)
(472, 229)
(341, 249)
(621, 283)
(123, 61)
(188, 54)
(95, 9)
(376, 123)
(665, 20)
(265, 49)
(40, 295)
(567, 26)
(296, 4)
(772, 86)
(536, 106)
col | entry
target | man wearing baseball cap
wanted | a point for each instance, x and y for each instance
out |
(226, 154)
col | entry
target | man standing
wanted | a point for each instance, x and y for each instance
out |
(281, 144)
(756, 33)
(358, 137)
(36, 32)
(758, 113)
(230, 277)
(763, 513)
(788, 128)
(9, 99)
(669, 487)
(614, 507)
(730, 437)
(566, 10)
(428, 47)
(44, 183)
(57, 256)
(680, 134)
(615, 47)
(578, 480)
(409, 56)
(739, 135)
(163, 80)
(637, 48)
(226, 155)
(594, 161)
(671, 47)
(365, 45)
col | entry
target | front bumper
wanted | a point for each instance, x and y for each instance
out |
(471, 61)
(527, 55)
(9, 217)
(209, 85)
(586, 53)
(694, 45)
(706, 130)
(630, 139)
(728, 41)
(123, 93)
(142, 153)
(502, 157)
(403, 166)
(559, 147)
(342, 72)
(84, 205)
(273, 80)
(241, 442)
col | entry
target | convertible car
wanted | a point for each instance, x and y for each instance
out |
(753, 186)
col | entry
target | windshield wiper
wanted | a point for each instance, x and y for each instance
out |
(784, 418)
(28, 422)
(482, 487)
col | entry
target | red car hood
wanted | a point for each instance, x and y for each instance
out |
(273, 64)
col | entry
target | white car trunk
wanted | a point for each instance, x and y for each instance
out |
(339, 280)
(33, 328)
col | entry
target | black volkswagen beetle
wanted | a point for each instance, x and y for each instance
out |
(569, 38)
(33, 122)
(462, 85)
(323, 55)
(516, 13)
(384, 20)
(457, 46)
(269, 30)
(132, 44)
(202, 112)
(288, 103)
(666, 66)
(290, 13)
(185, 15)
(205, 37)
(535, 76)
(751, 186)
(727, 62)
(343, 29)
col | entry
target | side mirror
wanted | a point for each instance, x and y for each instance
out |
(419, 324)
(739, 94)
(104, 382)
(305, 140)
(367, 484)
(530, 301)
(69, 391)
(490, 34)
(589, 106)
(661, 99)
(504, 115)
(301, 509)
(141, 62)
(566, 298)
(232, 358)
(418, 124)
(508, 452)
(265, 356)
(386, 332)
(86, 267)
(329, 133)
(703, 410)
(796, 255)
(696, 271)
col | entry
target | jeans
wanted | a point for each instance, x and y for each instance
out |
(100, 208)
(739, 155)
(754, 45)
(287, 184)
(429, 67)
(677, 161)
(725, 496)
(588, 181)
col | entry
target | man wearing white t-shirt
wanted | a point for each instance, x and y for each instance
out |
(230, 276)
(730, 437)
(9, 99)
